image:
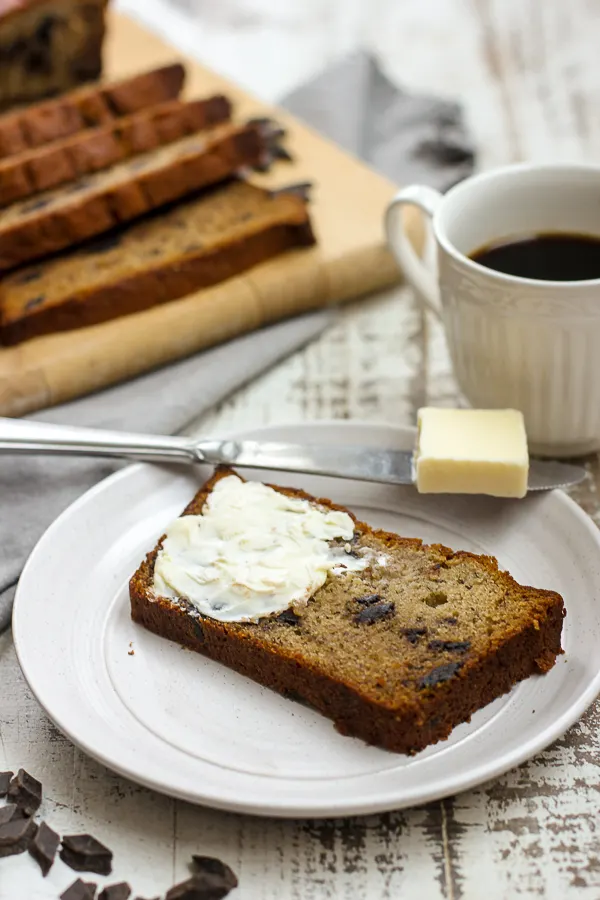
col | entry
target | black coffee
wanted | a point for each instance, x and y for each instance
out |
(548, 257)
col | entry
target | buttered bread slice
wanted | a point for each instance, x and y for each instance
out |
(397, 642)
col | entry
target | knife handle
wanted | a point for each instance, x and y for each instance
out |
(18, 436)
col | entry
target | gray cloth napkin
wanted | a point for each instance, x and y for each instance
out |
(406, 137)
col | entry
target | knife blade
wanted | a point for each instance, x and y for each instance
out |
(359, 463)
(385, 466)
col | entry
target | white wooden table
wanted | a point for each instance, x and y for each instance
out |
(529, 77)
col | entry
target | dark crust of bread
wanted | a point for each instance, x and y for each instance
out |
(89, 213)
(87, 107)
(402, 729)
(93, 149)
(288, 227)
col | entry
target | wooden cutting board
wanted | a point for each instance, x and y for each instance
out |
(351, 259)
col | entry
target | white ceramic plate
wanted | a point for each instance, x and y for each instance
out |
(174, 721)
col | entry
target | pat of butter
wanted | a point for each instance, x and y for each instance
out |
(471, 451)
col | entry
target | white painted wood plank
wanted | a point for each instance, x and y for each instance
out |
(366, 366)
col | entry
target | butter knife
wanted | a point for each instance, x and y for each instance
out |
(387, 466)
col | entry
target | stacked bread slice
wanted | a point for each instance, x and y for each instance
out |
(49, 46)
(116, 197)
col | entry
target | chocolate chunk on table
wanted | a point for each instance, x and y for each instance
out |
(8, 813)
(84, 853)
(26, 792)
(16, 835)
(5, 779)
(80, 890)
(120, 891)
(216, 868)
(212, 881)
(196, 888)
(43, 847)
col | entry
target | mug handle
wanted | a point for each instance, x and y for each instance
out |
(416, 271)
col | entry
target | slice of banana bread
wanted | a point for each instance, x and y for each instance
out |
(48, 46)
(94, 149)
(93, 204)
(194, 244)
(397, 654)
(87, 107)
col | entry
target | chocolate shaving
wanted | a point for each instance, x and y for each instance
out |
(371, 614)
(260, 121)
(120, 891)
(268, 127)
(300, 189)
(270, 134)
(26, 792)
(43, 847)
(84, 853)
(5, 779)
(281, 152)
(272, 152)
(16, 835)
(80, 890)
(264, 163)
(440, 674)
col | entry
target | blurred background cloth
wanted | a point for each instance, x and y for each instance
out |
(408, 137)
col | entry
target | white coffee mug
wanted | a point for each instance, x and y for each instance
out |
(515, 342)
